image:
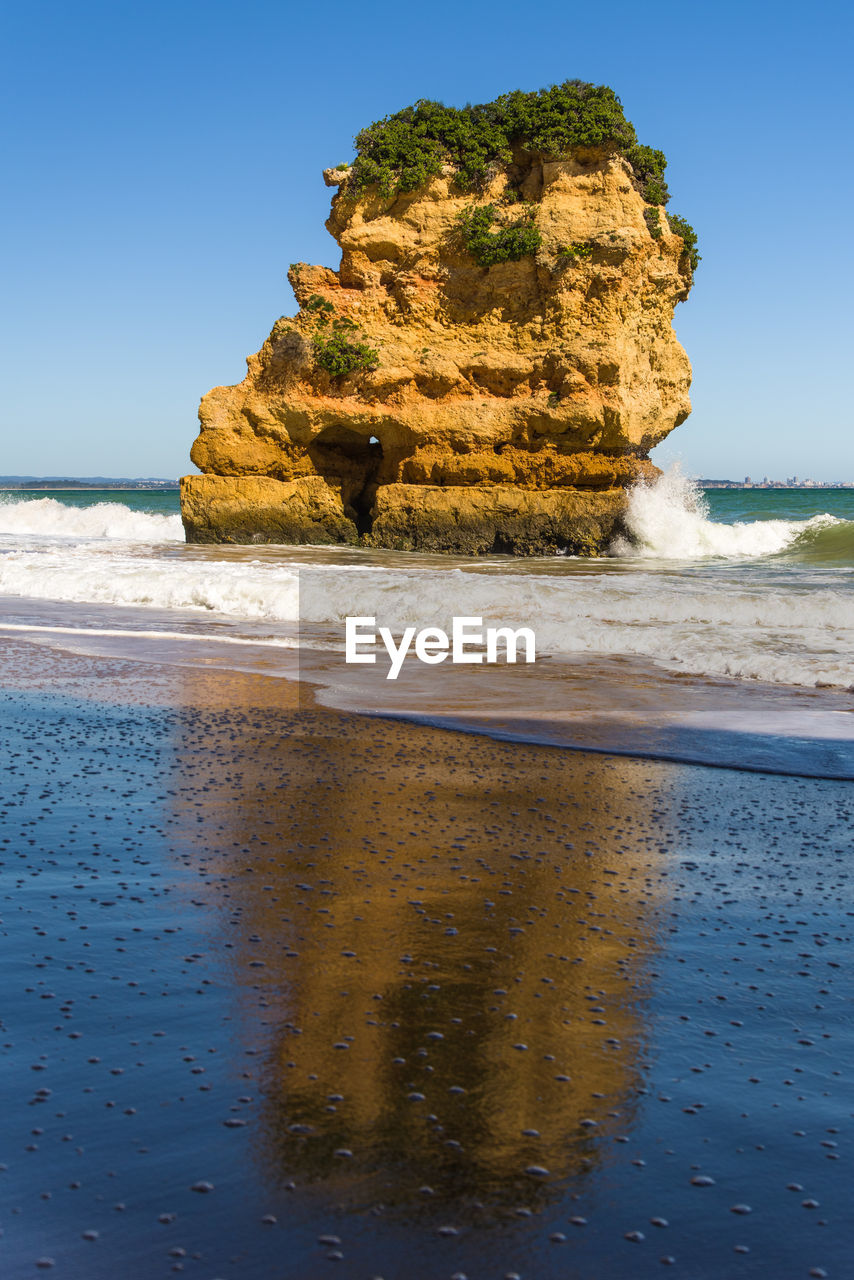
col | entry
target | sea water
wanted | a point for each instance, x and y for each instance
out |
(386, 995)
(740, 588)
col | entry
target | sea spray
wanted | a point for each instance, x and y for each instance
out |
(668, 519)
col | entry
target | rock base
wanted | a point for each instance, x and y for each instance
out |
(462, 520)
(248, 509)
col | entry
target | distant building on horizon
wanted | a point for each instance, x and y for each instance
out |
(791, 482)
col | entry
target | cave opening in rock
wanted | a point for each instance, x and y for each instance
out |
(352, 462)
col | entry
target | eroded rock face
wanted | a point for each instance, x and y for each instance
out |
(510, 406)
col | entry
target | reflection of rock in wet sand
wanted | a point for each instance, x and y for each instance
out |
(451, 967)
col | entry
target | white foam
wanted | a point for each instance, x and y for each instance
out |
(92, 576)
(723, 615)
(693, 623)
(669, 520)
(125, 633)
(47, 518)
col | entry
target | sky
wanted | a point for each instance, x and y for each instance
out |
(162, 167)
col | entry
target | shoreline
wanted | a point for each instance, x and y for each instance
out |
(608, 705)
(92, 488)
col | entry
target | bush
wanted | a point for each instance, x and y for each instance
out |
(575, 252)
(680, 227)
(652, 218)
(403, 151)
(319, 307)
(338, 354)
(648, 166)
(507, 244)
(335, 348)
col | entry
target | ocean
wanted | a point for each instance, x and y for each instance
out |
(723, 632)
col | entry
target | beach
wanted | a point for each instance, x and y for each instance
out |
(293, 991)
(426, 644)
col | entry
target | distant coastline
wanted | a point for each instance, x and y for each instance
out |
(34, 484)
(794, 483)
(58, 483)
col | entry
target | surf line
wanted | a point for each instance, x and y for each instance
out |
(468, 642)
(281, 643)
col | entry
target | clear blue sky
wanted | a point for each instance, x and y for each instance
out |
(163, 167)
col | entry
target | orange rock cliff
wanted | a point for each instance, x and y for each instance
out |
(422, 400)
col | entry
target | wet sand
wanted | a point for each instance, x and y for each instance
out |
(289, 992)
(609, 703)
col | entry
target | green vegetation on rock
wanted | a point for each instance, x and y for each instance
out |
(648, 166)
(403, 151)
(337, 350)
(680, 227)
(338, 354)
(652, 218)
(575, 252)
(506, 244)
(318, 307)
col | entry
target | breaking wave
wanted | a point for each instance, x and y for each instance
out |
(769, 600)
(47, 518)
(669, 520)
(238, 590)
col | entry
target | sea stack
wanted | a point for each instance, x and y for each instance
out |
(494, 358)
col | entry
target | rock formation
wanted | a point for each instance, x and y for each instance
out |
(423, 401)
